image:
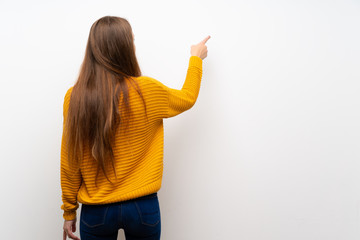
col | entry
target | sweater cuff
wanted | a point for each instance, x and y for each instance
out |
(195, 61)
(69, 215)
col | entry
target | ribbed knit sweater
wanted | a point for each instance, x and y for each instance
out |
(138, 152)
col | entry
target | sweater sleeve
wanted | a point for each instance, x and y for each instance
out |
(182, 100)
(70, 179)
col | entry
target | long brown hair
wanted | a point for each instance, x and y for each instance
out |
(93, 116)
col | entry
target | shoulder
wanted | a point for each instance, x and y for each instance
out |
(147, 79)
(149, 82)
(68, 93)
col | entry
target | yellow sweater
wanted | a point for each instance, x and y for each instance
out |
(138, 153)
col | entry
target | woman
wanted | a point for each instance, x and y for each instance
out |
(112, 143)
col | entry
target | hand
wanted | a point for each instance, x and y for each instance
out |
(200, 49)
(69, 228)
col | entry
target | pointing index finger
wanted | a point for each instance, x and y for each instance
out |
(205, 40)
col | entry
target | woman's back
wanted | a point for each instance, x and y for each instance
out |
(113, 137)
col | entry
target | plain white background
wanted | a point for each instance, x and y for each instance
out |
(270, 150)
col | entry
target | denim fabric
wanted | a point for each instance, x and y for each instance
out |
(140, 219)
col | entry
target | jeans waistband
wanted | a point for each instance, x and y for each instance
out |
(134, 199)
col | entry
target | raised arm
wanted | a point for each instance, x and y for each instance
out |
(182, 100)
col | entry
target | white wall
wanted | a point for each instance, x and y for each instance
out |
(270, 151)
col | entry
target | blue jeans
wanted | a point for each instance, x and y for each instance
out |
(140, 219)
